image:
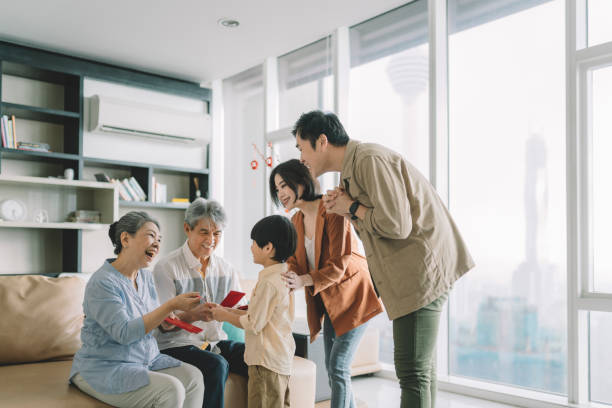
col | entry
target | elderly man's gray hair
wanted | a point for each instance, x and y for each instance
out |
(201, 209)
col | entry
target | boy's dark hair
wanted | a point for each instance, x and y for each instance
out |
(310, 126)
(278, 231)
(294, 173)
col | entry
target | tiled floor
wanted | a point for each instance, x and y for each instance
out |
(376, 392)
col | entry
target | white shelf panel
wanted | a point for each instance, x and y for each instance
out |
(52, 225)
(52, 181)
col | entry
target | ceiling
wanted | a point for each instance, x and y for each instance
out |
(180, 38)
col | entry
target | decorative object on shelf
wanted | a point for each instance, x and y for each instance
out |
(84, 216)
(40, 216)
(196, 183)
(102, 177)
(12, 210)
(69, 174)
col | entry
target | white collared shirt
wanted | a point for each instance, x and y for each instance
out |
(178, 272)
(268, 323)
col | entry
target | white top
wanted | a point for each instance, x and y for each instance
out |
(267, 324)
(310, 252)
(178, 272)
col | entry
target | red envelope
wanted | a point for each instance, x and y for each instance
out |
(183, 325)
(232, 298)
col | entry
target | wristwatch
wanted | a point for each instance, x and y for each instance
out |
(353, 209)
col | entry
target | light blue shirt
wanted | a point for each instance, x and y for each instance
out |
(117, 354)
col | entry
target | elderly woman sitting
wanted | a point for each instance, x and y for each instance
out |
(195, 268)
(119, 362)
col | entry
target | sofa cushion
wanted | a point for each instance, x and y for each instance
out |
(41, 317)
(42, 385)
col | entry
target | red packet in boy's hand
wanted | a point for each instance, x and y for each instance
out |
(232, 298)
(183, 325)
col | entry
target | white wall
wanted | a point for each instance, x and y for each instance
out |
(137, 149)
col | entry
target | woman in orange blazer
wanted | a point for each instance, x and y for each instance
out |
(338, 288)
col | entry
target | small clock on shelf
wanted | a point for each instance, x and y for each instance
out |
(12, 210)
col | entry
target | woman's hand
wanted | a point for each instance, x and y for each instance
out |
(294, 281)
(186, 301)
(167, 326)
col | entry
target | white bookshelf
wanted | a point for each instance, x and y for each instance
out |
(53, 225)
(58, 198)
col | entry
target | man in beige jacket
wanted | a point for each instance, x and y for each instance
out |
(414, 250)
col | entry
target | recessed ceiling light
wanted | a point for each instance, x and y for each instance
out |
(228, 23)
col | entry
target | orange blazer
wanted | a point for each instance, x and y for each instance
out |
(342, 282)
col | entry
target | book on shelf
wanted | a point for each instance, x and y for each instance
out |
(122, 191)
(34, 146)
(130, 190)
(137, 188)
(179, 200)
(159, 192)
(153, 190)
(8, 132)
(14, 131)
(2, 133)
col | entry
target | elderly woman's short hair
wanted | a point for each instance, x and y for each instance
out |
(130, 223)
(201, 209)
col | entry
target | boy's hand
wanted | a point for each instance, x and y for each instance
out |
(216, 311)
(203, 312)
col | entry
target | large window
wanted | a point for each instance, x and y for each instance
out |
(601, 358)
(245, 189)
(507, 191)
(388, 98)
(601, 170)
(599, 15)
(389, 81)
(305, 81)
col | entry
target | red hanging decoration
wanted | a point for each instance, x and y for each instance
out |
(269, 161)
(254, 164)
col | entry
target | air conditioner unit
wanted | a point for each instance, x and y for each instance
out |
(114, 115)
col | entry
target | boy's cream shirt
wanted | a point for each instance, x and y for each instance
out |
(267, 324)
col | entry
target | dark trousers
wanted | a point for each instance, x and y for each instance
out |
(415, 336)
(214, 367)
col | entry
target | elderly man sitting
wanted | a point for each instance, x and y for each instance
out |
(195, 268)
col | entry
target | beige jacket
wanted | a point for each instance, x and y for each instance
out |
(414, 250)
(268, 336)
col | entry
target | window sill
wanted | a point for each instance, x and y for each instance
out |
(496, 392)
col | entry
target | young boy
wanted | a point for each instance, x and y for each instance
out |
(267, 323)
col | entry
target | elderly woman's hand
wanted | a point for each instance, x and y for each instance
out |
(168, 326)
(186, 301)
